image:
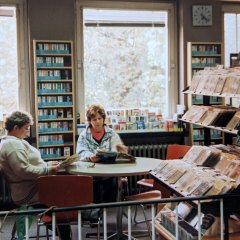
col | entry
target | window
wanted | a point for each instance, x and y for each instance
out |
(231, 36)
(8, 60)
(14, 76)
(126, 54)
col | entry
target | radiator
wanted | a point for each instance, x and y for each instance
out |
(148, 151)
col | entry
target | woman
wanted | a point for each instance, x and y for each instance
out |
(22, 164)
(99, 136)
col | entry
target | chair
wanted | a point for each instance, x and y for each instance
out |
(174, 151)
(64, 191)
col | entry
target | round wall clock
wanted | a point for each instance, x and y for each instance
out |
(202, 15)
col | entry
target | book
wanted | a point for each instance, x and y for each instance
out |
(231, 85)
(225, 161)
(191, 113)
(202, 188)
(219, 86)
(202, 83)
(210, 116)
(233, 123)
(68, 161)
(210, 85)
(194, 83)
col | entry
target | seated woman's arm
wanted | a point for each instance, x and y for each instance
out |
(84, 149)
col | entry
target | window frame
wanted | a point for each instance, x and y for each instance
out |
(22, 52)
(173, 69)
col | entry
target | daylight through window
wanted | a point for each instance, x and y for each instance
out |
(8, 61)
(126, 59)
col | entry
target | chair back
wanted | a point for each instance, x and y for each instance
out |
(176, 151)
(65, 191)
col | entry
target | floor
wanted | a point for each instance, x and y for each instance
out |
(111, 227)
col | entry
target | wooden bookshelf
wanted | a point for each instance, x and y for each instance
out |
(54, 98)
(200, 56)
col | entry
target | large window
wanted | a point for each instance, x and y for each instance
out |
(231, 36)
(14, 74)
(8, 60)
(126, 58)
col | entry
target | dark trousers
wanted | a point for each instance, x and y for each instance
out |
(105, 190)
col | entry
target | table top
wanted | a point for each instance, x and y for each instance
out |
(142, 166)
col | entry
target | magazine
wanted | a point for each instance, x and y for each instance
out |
(69, 160)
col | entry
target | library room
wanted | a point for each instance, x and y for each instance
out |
(120, 119)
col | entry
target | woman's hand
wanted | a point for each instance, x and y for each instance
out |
(94, 158)
(54, 167)
(53, 163)
(121, 148)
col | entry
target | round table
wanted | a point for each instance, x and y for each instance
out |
(142, 166)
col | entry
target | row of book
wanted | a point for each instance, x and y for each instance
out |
(218, 116)
(55, 113)
(198, 99)
(216, 81)
(62, 74)
(54, 100)
(50, 140)
(198, 134)
(205, 61)
(54, 87)
(54, 126)
(54, 152)
(205, 49)
(61, 48)
(188, 221)
(185, 230)
(50, 61)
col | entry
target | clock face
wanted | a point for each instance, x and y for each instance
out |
(202, 15)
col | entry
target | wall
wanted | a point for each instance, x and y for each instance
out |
(189, 33)
(52, 19)
(55, 19)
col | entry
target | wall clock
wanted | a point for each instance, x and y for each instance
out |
(202, 15)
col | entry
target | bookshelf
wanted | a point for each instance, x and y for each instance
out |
(202, 55)
(54, 98)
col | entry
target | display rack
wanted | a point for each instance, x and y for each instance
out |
(203, 171)
(200, 56)
(226, 119)
(54, 98)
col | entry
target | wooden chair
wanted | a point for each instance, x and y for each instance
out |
(174, 151)
(64, 191)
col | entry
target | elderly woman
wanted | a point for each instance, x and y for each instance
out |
(99, 136)
(22, 164)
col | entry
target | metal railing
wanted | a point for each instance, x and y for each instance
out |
(198, 201)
